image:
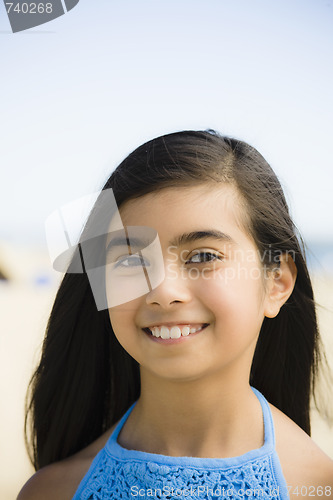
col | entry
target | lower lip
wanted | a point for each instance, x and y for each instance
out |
(174, 341)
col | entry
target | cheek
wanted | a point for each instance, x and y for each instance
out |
(234, 295)
(122, 322)
(125, 313)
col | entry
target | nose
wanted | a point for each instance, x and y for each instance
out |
(173, 289)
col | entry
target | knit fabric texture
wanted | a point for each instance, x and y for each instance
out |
(119, 473)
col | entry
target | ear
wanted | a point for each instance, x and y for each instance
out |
(281, 282)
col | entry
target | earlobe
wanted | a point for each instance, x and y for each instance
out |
(281, 284)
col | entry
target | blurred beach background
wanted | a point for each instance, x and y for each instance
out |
(80, 93)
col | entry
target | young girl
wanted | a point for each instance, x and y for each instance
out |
(198, 386)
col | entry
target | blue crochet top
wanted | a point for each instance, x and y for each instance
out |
(119, 473)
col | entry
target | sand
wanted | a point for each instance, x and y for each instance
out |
(25, 304)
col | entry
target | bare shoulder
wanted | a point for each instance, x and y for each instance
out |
(303, 463)
(60, 480)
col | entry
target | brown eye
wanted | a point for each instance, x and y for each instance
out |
(131, 261)
(201, 257)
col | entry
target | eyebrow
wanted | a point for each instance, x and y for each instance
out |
(177, 241)
(125, 241)
(201, 235)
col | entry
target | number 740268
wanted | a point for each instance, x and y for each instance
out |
(29, 8)
(310, 491)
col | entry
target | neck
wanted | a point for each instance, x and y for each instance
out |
(204, 418)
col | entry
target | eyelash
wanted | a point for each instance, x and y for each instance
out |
(121, 260)
(214, 255)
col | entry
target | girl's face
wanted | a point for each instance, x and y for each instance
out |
(213, 283)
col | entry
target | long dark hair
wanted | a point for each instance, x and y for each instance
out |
(85, 380)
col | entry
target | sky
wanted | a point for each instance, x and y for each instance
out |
(82, 91)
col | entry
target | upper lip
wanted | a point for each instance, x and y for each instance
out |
(175, 323)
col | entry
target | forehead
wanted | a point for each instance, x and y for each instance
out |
(175, 210)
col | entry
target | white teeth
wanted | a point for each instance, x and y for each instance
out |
(165, 334)
(156, 332)
(174, 332)
(186, 331)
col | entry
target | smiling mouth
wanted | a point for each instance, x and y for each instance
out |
(174, 332)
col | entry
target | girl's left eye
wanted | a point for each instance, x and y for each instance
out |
(201, 257)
